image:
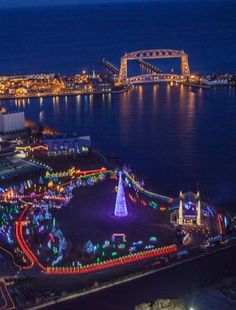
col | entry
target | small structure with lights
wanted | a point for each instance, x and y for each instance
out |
(189, 211)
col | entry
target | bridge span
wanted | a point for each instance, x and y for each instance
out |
(154, 78)
(149, 67)
(112, 68)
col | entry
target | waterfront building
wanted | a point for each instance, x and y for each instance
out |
(66, 144)
(11, 124)
(56, 145)
(102, 83)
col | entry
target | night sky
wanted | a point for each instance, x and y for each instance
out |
(36, 3)
(24, 3)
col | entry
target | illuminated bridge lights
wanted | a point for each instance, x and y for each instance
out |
(155, 77)
(152, 54)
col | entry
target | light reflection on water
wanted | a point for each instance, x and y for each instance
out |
(175, 136)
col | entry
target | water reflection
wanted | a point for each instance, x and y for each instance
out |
(168, 92)
(140, 94)
(124, 117)
(169, 133)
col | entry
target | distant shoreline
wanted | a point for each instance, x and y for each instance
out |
(66, 94)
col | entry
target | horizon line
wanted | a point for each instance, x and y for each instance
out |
(8, 6)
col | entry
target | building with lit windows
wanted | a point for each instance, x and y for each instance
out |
(55, 145)
(66, 144)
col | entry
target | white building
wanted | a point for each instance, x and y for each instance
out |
(11, 122)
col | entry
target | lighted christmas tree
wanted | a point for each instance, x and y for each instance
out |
(120, 208)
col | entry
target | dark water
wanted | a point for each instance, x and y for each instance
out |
(174, 136)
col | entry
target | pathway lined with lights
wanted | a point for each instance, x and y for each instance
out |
(145, 192)
(123, 260)
(22, 243)
(91, 173)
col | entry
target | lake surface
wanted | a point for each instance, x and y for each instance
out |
(174, 136)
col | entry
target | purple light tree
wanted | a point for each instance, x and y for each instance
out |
(120, 208)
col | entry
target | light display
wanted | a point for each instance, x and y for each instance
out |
(7, 215)
(181, 209)
(139, 186)
(89, 247)
(214, 239)
(198, 209)
(121, 237)
(153, 204)
(106, 244)
(120, 208)
(37, 201)
(132, 198)
(143, 202)
(219, 218)
(113, 262)
(41, 180)
(59, 246)
(153, 239)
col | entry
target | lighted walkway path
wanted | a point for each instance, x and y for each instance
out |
(146, 192)
(22, 243)
(134, 182)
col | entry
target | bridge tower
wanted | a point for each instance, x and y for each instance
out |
(198, 209)
(181, 219)
(123, 74)
(185, 71)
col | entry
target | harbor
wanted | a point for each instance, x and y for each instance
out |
(117, 151)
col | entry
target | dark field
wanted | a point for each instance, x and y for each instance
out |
(89, 216)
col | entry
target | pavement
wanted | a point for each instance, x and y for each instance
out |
(6, 302)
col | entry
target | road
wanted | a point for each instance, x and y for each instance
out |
(181, 280)
(177, 276)
(6, 302)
